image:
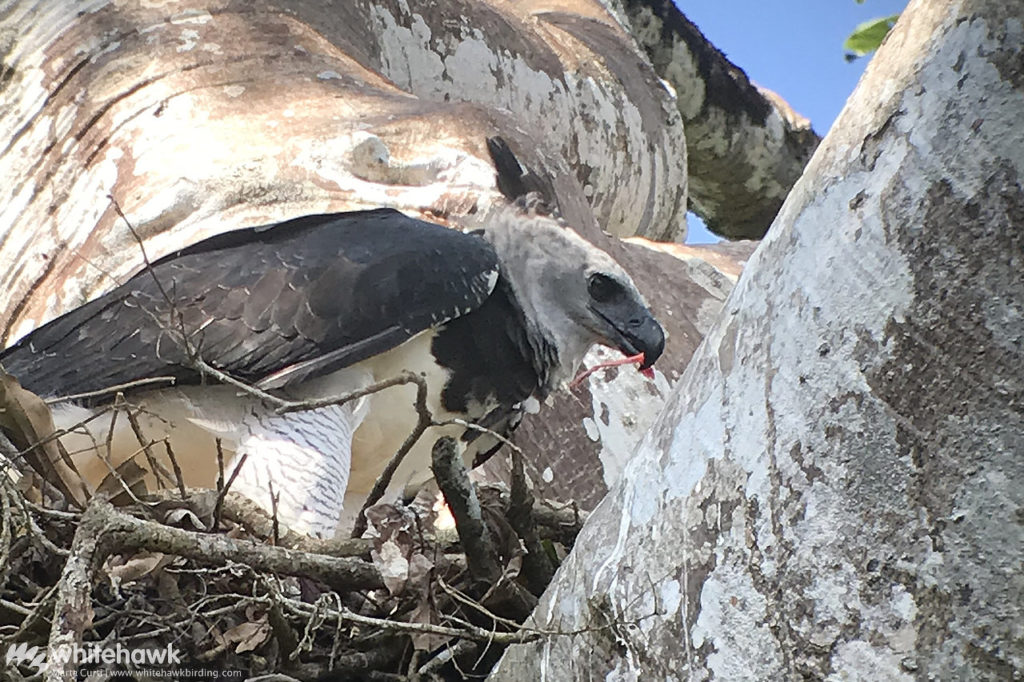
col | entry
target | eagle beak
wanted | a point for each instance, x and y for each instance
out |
(644, 335)
(633, 330)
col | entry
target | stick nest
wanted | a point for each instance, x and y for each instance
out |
(211, 575)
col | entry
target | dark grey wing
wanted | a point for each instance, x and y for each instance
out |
(270, 305)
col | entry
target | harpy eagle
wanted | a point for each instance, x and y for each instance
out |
(322, 305)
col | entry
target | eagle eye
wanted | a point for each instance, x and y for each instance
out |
(602, 288)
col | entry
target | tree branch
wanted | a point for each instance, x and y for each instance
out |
(459, 493)
(746, 147)
(537, 566)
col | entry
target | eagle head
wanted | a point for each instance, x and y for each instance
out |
(573, 294)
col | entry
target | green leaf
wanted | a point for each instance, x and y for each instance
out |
(868, 36)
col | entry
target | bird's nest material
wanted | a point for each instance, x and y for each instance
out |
(212, 576)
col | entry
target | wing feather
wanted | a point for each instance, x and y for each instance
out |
(269, 305)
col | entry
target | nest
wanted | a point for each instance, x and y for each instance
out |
(180, 583)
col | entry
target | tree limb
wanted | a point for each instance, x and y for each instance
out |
(459, 493)
(746, 147)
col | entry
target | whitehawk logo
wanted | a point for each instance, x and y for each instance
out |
(23, 654)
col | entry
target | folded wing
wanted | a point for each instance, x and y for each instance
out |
(269, 305)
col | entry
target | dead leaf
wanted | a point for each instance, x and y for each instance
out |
(195, 512)
(167, 587)
(28, 422)
(392, 564)
(127, 474)
(390, 521)
(420, 568)
(184, 518)
(425, 613)
(248, 636)
(136, 567)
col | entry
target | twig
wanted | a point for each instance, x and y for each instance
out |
(43, 607)
(7, 523)
(314, 620)
(204, 367)
(337, 634)
(159, 471)
(482, 429)
(283, 631)
(178, 477)
(287, 406)
(220, 464)
(34, 530)
(463, 646)
(55, 513)
(423, 422)
(467, 632)
(274, 499)
(118, 388)
(118, 478)
(16, 608)
(222, 493)
(171, 307)
(473, 604)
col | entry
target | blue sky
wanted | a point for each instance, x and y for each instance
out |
(794, 47)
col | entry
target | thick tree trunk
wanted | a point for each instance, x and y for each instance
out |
(746, 145)
(834, 490)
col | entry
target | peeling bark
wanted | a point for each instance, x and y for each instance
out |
(746, 145)
(833, 491)
(572, 80)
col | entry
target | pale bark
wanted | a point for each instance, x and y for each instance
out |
(198, 117)
(746, 145)
(834, 490)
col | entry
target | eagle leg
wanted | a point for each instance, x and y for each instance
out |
(304, 458)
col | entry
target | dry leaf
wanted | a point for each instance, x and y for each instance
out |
(184, 518)
(420, 568)
(425, 613)
(248, 636)
(390, 520)
(392, 564)
(27, 420)
(136, 567)
(167, 587)
(127, 474)
(195, 512)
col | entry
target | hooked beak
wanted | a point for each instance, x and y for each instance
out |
(632, 329)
